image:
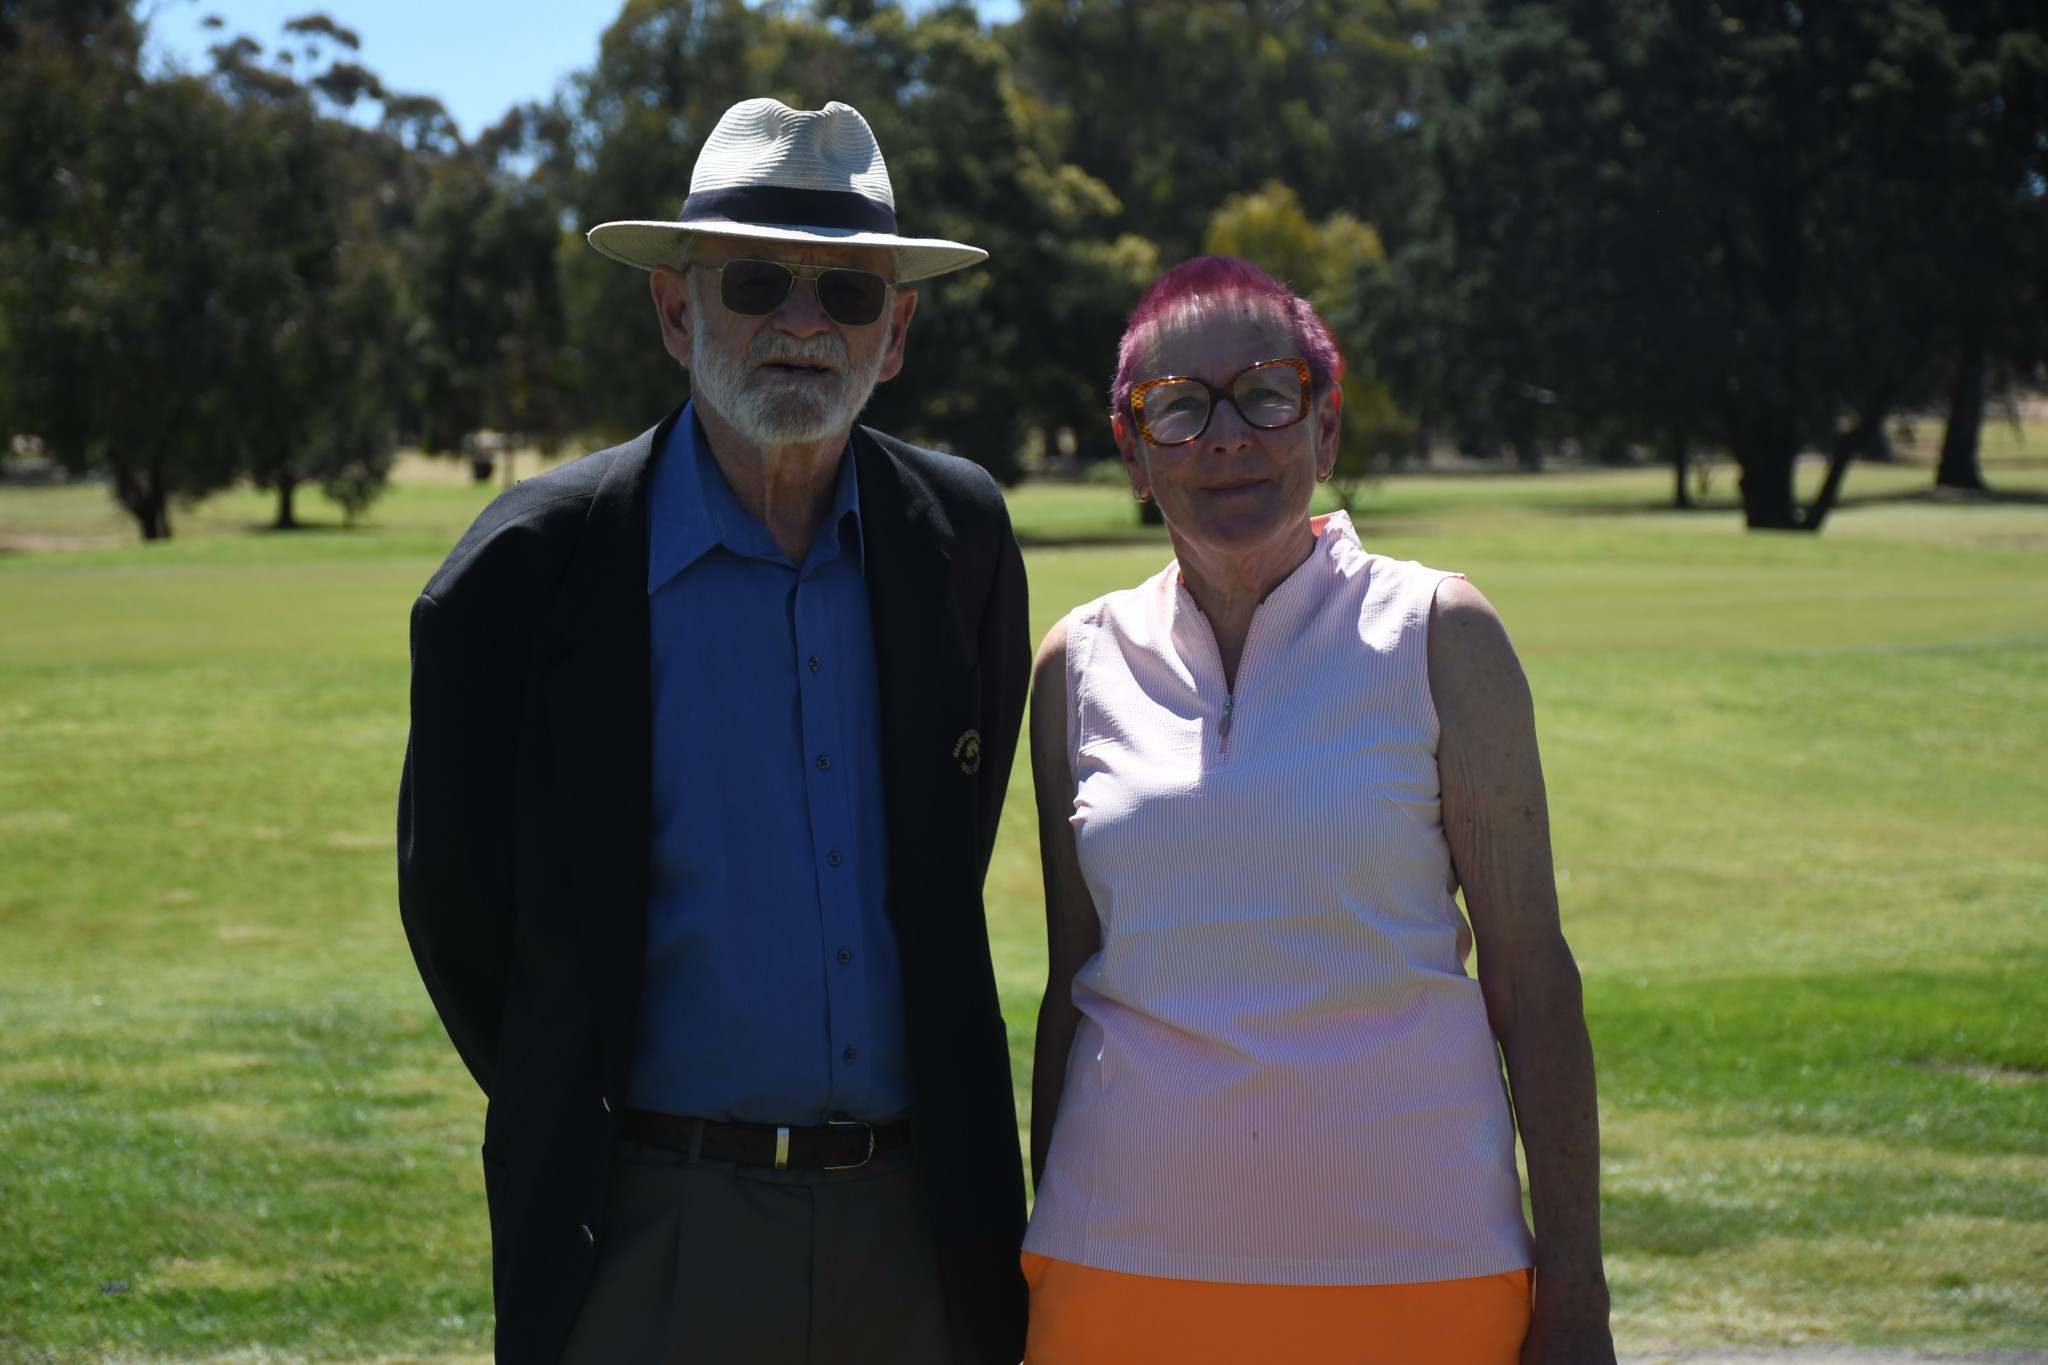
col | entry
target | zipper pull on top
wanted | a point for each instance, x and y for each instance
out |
(1229, 705)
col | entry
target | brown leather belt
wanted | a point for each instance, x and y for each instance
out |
(837, 1146)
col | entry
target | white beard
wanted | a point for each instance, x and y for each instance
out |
(771, 408)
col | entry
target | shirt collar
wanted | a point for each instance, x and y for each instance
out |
(691, 510)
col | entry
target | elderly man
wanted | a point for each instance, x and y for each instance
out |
(710, 735)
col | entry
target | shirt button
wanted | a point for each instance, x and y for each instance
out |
(845, 956)
(851, 1053)
(834, 858)
(814, 663)
(824, 763)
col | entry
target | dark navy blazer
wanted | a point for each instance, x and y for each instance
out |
(524, 823)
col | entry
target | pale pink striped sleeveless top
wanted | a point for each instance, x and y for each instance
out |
(1283, 1073)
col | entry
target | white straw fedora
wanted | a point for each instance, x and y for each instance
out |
(779, 174)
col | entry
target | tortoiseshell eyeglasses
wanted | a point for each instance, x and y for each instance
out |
(1176, 410)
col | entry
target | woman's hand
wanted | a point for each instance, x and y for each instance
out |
(1497, 822)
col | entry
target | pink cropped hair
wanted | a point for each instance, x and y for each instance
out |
(1223, 279)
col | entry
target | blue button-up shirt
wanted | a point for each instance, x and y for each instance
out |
(772, 991)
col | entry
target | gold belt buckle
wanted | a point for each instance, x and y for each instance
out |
(836, 1125)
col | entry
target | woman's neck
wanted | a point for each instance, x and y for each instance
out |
(1229, 587)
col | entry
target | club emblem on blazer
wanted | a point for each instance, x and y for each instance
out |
(968, 751)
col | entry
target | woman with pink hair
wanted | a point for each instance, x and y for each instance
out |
(1271, 1117)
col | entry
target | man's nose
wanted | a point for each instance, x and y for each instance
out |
(801, 314)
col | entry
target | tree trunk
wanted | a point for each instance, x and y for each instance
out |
(155, 517)
(285, 520)
(1959, 466)
(1770, 501)
(142, 493)
(1839, 460)
(1847, 446)
(1681, 463)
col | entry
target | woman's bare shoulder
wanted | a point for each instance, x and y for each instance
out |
(1472, 663)
(1052, 652)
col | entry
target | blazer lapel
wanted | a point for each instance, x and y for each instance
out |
(920, 662)
(600, 711)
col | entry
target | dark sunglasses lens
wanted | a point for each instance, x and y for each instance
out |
(754, 288)
(852, 298)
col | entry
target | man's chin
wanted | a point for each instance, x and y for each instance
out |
(781, 413)
(784, 423)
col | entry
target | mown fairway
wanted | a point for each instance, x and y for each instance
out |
(1800, 789)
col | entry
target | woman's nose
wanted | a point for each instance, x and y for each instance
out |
(1228, 431)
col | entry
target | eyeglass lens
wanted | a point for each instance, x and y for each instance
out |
(1267, 397)
(851, 298)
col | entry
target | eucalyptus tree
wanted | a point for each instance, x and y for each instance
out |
(1995, 195)
(1682, 223)
(1179, 104)
(126, 306)
(197, 290)
(315, 373)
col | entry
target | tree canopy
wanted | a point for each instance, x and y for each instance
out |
(1738, 223)
(1625, 224)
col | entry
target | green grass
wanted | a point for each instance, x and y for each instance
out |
(1800, 788)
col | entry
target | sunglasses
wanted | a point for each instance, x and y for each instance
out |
(1175, 410)
(754, 289)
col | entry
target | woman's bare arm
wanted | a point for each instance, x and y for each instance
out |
(1072, 931)
(1498, 824)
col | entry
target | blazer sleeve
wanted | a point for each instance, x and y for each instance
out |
(454, 888)
(1005, 647)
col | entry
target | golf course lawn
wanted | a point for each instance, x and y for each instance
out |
(1800, 794)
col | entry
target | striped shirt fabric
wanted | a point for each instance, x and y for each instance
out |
(1283, 1073)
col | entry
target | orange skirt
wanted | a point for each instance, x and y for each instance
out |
(1084, 1316)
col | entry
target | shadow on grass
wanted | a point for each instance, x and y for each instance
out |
(1956, 1061)
(1948, 1064)
(1928, 495)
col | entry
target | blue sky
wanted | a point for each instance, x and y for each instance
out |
(478, 57)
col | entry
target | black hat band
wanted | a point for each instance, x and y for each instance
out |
(760, 205)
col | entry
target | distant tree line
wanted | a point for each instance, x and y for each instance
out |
(215, 277)
(1629, 224)
(1757, 225)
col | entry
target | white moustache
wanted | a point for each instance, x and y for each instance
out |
(772, 347)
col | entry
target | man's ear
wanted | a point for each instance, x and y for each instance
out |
(671, 291)
(900, 310)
